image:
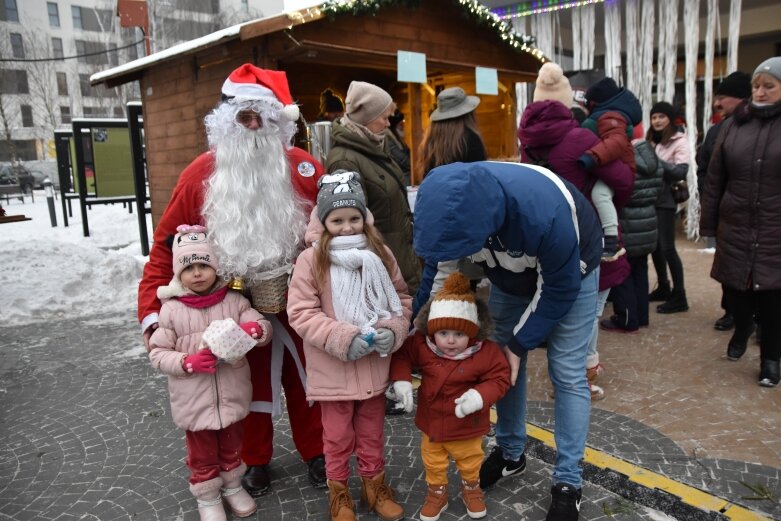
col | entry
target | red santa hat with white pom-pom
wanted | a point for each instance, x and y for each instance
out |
(249, 83)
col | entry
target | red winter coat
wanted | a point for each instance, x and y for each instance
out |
(444, 380)
(185, 206)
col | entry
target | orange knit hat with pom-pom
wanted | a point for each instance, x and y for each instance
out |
(454, 307)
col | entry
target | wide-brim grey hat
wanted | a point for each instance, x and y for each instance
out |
(452, 103)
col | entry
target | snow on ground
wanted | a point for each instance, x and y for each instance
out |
(48, 272)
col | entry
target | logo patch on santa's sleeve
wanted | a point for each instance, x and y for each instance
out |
(306, 169)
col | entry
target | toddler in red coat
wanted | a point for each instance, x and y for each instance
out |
(464, 373)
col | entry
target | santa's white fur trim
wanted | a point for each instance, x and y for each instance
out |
(291, 112)
(246, 91)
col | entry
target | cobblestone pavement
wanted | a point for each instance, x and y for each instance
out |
(86, 435)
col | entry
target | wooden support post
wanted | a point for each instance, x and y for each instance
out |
(415, 126)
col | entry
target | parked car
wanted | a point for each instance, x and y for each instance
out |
(39, 178)
(17, 174)
(41, 170)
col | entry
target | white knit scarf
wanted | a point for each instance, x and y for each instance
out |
(362, 289)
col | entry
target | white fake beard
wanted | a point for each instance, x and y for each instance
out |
(256, 221)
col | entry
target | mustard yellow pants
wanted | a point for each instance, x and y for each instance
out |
(468, 455)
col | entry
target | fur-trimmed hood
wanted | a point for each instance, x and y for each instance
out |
(484, 316)
(176, 289)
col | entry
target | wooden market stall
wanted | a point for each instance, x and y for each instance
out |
(320, 49)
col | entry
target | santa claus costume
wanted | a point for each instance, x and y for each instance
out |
(254, 191)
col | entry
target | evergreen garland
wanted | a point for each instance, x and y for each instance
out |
(478, 12)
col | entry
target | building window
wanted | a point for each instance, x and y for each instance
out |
(62, 84)
(27, 116)
(9, 12)
(84, 86)
(90, 19)
(112, 55)
(95, 112)
(57, 48)
(54, 14)
(17, 45)
(76, 14)
(14, 82)
(91, 52)
(65, 114)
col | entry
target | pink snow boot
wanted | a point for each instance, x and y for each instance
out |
(209, 501)
(238, 499)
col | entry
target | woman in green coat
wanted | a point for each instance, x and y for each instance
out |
(359, 145)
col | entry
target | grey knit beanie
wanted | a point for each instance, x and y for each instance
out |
(341, 189)
(366, 102)
(771, 66)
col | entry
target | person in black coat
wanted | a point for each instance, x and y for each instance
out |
(729, 94)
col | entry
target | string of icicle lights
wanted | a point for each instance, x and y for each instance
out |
(541, 6)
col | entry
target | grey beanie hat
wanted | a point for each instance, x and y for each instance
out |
(366, 102)
(341, 189)
(771, 66)
(452, 103)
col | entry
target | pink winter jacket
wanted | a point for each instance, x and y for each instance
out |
(202, 401)
(329, 375)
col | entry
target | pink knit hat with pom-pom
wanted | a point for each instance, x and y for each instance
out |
(553, 85)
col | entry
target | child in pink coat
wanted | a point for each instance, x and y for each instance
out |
(348, 301)
(208, 399)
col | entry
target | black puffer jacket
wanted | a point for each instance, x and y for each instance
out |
(741, 203)
(638, 216)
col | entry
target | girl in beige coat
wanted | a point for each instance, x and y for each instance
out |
(208, 400)
(349, 302)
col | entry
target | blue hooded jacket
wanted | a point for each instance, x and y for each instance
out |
(534, 234)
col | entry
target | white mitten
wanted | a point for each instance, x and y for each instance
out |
(469, 402)
(403, 391)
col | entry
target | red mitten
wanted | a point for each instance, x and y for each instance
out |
(253, 329)
(203, 361)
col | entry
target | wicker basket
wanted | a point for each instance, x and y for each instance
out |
(270, 295)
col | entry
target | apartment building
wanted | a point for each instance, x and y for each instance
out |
(49, 49)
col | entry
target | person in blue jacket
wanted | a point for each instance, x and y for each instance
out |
(539, 242)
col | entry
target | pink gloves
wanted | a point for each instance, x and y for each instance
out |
(260, 331)
(203, 361)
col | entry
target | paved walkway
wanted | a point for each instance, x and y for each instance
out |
(86, 432)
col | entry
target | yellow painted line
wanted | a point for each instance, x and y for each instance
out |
(649, 479)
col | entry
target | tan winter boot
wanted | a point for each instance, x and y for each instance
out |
(435, 503)
(472, 495)
(592, 375)
(378, 496)
(209, 501)
(238, 499)
(340, 503)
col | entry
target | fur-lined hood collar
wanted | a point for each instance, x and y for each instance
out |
(175, 289)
